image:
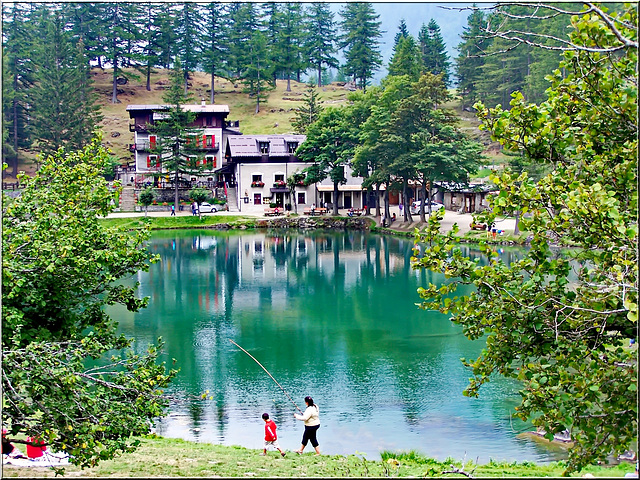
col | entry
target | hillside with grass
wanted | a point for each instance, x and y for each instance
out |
(275, 116)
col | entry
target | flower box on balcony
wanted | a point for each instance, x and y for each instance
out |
(257, 184)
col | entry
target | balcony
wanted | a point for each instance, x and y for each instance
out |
(139, 147)
(138, 127)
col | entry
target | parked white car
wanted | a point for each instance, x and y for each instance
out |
(415, 207)
(207, 208)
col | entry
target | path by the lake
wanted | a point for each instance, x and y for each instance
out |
(462, 219)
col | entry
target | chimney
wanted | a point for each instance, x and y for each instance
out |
(202, 102)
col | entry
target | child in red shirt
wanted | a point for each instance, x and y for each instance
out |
(270, 436)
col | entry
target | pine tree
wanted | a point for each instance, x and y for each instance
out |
(308, 112)
(471, 57)
(119, 38)
(403, 32)
(255, 71)
(188, 27)
(406, 59)
(320, 43)
(63, 112)
(289, 43)
(214, 43)
(176, 145)
(361, 31)
(434, 54)
(16, 52)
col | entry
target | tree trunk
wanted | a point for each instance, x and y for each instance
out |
(288, 82)
(319, 75)
(213, 95)
(148, 76)
(423, 194)
(14, 159)
(516, 230)
(114, 92)
(335, 198)
(377, 199)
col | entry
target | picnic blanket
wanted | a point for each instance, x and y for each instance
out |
(46, 460)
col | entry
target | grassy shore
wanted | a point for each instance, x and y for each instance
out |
(164, 457)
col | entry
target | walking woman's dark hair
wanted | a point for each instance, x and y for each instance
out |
(309, 401)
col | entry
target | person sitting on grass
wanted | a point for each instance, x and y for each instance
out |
(270, 436)
(9, 449)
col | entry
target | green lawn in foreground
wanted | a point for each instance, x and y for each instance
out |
(164, 457)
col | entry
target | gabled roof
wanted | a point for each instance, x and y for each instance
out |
(189, 108)
(249, 145)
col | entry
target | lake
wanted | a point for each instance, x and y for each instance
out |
(330, 315)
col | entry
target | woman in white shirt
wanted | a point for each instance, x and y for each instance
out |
(311, 419)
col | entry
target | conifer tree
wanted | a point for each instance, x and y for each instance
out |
(289, 41)
(309, 111)
(434, 53)
(406, 59)
(403, 32)
(214, 43)
(320, 38)
(63, 112)
(188, 28)
(361, 31)
(176, 142)
(471, 57)
(17, 36)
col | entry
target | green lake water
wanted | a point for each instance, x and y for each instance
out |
(331, 315)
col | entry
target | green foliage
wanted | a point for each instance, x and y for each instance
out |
(308, 112)
(559, 322)
(199, 195)
(329, 147)
(146, 198)
(361, 31)
(176, 139)
(435, 59)
(320, 38)
(406, 59)
(64, 112)
(60, 269)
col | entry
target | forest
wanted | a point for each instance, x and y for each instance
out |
(49, 50)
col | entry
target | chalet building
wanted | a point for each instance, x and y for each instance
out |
(210, 121)
(260, 166)
(464, 198)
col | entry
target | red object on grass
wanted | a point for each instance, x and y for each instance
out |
(35, 451)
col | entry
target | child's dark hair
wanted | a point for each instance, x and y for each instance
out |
(309, 400)
(265, 416)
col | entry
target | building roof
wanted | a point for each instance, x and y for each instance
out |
(190, 108)
(249, 145)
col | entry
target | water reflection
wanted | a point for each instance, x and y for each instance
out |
(331, 315)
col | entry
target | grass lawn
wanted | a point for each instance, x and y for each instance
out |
(164, 457)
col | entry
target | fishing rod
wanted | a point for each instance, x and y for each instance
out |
(254, 359)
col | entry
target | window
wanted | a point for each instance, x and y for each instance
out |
(256, 178)
(257, 198)
(302, 198)
(210, 162)
(293, 146)
(192, 161)
(208, 141)
(152, 141)
(279, 177)
(264, 147)
(153, 161)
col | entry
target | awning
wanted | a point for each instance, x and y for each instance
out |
(341, 188)
(279, 190)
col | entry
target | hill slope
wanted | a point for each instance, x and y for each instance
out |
(275, 114)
